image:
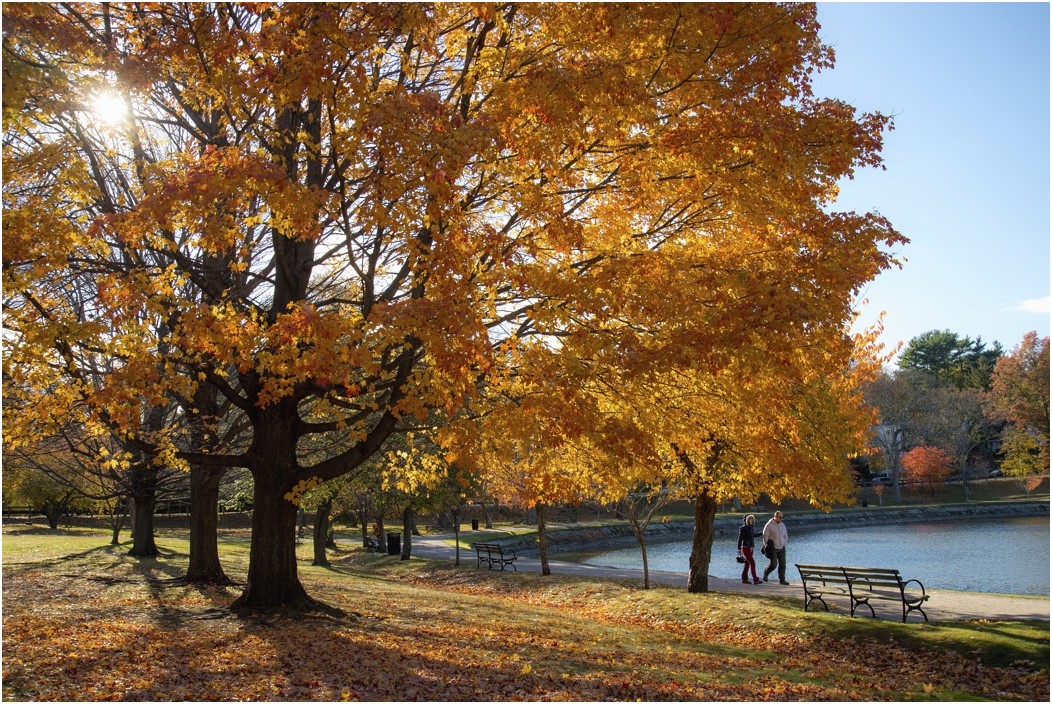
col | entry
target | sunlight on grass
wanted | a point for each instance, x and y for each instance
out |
(425, 629)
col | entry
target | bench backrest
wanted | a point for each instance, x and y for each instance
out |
(835, 574)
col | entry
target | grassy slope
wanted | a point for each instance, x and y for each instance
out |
(84, 621)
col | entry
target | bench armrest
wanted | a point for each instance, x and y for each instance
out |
(918, 583)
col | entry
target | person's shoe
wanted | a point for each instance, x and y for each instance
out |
(782, 581)
(765, 576)
(756, 581)
(745, 581)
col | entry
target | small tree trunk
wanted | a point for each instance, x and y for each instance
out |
(701, 549)
(455, 515)
(446, 521)
(545, 570)
(205, 567)
(117, 518)
(964, 484)
(407, 533)
(321, 533)
(643, 552)
(574, 511)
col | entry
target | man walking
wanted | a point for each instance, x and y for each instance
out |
(776, 536)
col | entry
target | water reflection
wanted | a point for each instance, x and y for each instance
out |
(1009, 556)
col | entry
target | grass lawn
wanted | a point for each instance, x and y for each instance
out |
(82, 621)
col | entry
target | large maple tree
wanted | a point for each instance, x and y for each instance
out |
(343, 217)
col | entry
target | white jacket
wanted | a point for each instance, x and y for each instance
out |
(777, 532)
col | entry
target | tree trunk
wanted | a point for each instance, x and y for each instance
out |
(273, 582)
(52, 511)
(205, 567)
(896, 482)
(643, 551)
(363, 515)
(321, 533)
(455, 514)
(701, 549)
(445, 521)
(543, 540)
(407, 533)
(117, 519)
(143, 544)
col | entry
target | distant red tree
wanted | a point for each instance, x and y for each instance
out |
(927, 465)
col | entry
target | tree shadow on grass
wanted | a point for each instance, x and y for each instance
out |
(993, 643)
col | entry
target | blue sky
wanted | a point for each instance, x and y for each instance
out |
(967, 176)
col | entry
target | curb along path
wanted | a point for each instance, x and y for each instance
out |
(942, 606)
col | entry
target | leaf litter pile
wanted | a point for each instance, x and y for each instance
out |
(79, 630)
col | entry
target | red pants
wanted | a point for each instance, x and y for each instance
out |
(750, 564)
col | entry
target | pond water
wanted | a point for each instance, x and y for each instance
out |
(1007, 556)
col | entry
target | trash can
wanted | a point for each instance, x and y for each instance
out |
(474, 524)
(394, 543)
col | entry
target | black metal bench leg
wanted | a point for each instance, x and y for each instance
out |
(855, 603)
(907, 608)
(808, 599)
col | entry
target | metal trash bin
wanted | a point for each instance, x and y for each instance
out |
(394, 543)
(474, 524)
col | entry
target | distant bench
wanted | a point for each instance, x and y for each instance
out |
(494, 554)
(860, 585)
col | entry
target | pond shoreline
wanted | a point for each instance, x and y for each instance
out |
(576, 539)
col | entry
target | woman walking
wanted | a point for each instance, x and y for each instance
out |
(746, 543)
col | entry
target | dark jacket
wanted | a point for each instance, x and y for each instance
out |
(746, 535)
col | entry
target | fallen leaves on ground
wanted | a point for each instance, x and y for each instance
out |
(441, 634)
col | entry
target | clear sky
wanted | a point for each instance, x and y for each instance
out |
(967, 177)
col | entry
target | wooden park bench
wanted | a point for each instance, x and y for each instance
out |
(861, 585)
(494, 554)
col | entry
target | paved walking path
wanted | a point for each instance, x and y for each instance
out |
(942, 606)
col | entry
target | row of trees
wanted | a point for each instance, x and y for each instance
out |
(563, 251)
(954, 403)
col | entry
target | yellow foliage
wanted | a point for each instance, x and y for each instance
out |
(593, 242)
